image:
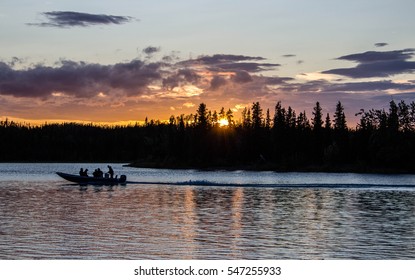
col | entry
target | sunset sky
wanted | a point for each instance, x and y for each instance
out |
(120, 61)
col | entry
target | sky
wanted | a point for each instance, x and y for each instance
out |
(122, 61)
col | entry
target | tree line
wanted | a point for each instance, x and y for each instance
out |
(284, 140)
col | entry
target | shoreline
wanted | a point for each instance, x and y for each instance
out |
(243, 167)
(274, 168)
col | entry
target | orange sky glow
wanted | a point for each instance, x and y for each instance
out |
(157, 60)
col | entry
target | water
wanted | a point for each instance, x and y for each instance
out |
(189, 214)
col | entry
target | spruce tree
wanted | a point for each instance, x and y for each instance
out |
(229, 117)
(268, 120)
(340, 118)
(202, 119)
(327, 123)
(256, 115)
(393, 119)
(317, 120)
(279, 117)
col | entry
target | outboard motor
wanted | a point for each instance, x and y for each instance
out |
(123, 178)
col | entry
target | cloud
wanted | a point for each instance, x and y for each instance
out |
(228, 62)
(379, 45)
(224, 58)
(78, 79)
(276, 80)
(217, 82)
(140, 87)
(369, 86)
(374, 56)
(64, 19)
(189, 105)
(134, 78)
(151, 50)
(324, 86)
(377, 64)
(289, 55)
(180, 77)
(244, 66)
(241, 77)
(16, 61)
(229, 75)
(225, 80)
(189, 75)
(376, 69)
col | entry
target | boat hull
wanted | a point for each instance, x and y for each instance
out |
(85, 180)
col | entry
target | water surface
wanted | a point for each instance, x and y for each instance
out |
(189, 214)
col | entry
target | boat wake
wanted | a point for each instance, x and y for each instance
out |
(275, 185)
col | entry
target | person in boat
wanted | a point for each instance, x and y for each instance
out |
(83, 173)
(97, 173)
(100, 174)
(110, 171)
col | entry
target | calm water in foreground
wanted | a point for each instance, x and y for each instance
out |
(206, 215)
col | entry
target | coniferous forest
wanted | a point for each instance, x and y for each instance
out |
(282, 140)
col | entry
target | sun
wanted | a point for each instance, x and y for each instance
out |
(223, 122)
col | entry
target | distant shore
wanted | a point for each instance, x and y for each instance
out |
(270, 167)
(246, 167)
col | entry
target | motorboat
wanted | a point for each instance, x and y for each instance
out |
(89, 180)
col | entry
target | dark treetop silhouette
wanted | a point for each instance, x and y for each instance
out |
(383, 141)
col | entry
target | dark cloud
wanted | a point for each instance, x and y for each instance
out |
(374, 56)
(379, 45)
(180, 77)
(189, 75)
(276, 80)
(174, 56)
(235, 77)
(369, 86)
(217, 82)
(16, 61)
(244, 66)
(133, 77)
(224, 58)
(376, 69)
(64, 19)
(323, 86)
(307, 87)
(85, 80)
(171, 82)
(293, 55)
(82, 79)
(377, 64)
(241, 77)
(151, 50)
(231, 63)
(78, 79)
